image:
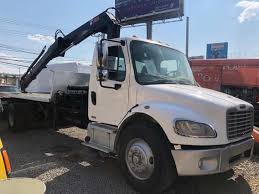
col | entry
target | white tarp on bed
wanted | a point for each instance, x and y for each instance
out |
(62, 74)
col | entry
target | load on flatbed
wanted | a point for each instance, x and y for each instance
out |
(141, 105)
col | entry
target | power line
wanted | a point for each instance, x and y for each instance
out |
(62, 59)
(17, 60)
(14, 47)
(26, 23)
(12, 32)
(14, 57)
(7, 63)
(18, 50)
(27, 51)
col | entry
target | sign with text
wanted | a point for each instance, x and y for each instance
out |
(140, 11)
(217, 51)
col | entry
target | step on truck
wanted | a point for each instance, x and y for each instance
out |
(140, 104)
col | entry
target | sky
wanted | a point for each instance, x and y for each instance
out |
(31, 24)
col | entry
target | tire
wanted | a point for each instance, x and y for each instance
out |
(160, 172)
(256, 148)
(15, 117)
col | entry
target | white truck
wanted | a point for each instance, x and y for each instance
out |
(141, 104)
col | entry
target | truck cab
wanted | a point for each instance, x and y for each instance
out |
(144, 106)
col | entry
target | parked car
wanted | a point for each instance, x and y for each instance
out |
(6, 89)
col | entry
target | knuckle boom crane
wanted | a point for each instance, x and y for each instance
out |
(105, 23)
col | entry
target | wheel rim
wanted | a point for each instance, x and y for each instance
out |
(139, 159)
(11, 118)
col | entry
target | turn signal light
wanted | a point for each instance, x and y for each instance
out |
(7, 162)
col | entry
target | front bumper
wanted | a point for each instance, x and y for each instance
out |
(212, 161)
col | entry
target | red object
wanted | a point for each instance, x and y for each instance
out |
(256, 135)
(7, 161)
(236, 77)
(228, 72)
(209, 76)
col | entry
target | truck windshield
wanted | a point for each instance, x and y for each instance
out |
(156, 64)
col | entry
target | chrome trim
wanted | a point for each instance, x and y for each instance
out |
(242, 128)
(139, 159)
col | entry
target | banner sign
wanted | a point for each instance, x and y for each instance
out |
(139, 11)
(217, 51)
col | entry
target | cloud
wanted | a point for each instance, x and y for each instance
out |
(41, 38)
(251, 9)
(4, 55)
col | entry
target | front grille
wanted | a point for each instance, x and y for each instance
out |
(239, 123)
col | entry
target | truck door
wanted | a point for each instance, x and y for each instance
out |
(110, 105)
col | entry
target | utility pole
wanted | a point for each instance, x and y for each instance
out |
(149, 30)
(187, 36)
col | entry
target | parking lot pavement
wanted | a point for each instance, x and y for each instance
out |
(58, 159)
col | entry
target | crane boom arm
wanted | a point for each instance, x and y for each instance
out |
(104, 23)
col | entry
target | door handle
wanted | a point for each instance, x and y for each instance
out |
(93, 98)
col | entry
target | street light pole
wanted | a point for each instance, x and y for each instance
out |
(149, 30)
(187, 36)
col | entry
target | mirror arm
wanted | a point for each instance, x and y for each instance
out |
(116, 86)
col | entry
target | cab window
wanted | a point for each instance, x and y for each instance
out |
(116, 64)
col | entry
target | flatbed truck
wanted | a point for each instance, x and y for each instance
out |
(143, 106)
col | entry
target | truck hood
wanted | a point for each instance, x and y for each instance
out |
(188, 95)
(169, 102)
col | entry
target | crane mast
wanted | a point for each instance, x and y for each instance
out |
(105, 23)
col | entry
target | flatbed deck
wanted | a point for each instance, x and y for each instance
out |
(38, 97)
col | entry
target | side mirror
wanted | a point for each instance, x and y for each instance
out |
(102, 74)
(102, 54)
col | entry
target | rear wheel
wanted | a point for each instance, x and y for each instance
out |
(146, 160)
(16, 118)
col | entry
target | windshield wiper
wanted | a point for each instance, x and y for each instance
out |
(184, 82)
(162, 81)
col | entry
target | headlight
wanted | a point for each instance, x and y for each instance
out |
(193, 129)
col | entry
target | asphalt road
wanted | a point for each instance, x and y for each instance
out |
(59, 160)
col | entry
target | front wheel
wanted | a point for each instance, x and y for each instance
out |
(146, 160)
